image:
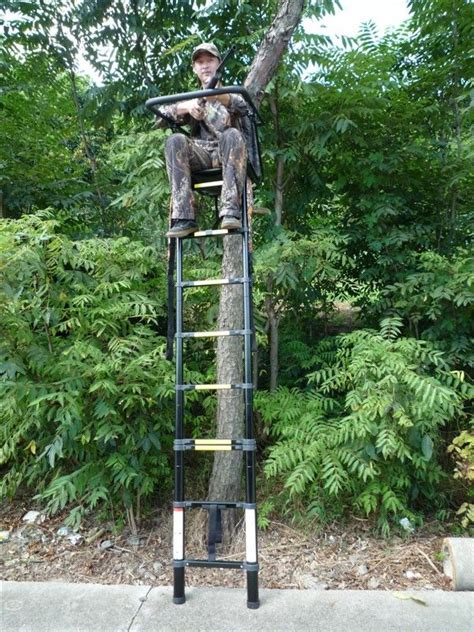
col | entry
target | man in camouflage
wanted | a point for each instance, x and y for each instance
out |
(215, 141)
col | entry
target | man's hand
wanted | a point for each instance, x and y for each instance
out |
(196, 110)
(193, 108)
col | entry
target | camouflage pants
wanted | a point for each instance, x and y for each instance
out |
(185, 155)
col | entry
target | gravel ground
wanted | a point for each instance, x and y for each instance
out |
(338, 558)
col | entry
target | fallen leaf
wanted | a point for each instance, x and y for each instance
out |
(405, 596)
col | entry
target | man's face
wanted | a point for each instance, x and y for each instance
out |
(205, 66)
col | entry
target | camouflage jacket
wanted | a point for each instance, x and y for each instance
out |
(218, 118)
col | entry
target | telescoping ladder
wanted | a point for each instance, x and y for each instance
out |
(208, 182)
(247, 444)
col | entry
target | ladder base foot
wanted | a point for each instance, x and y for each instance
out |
(253, 605)
(179, 600)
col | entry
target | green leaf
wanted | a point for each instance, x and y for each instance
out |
(427, 447)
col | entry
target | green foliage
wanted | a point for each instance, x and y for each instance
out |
(40, 152)
(138, 158)
(387, 145)
(311, 265)
(378, 148)
(374, 193)
(298, 278)
(462, 448)
(436, 299)
(366, 435)
(265, 508)
(86, 396)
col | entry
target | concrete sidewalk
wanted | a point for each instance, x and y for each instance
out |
(60, 607)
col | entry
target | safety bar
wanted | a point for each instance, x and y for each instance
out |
(152, 104)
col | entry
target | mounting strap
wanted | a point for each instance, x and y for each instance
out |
(215, 531)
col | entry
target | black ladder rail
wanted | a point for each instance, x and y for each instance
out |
(179, 512)
(250, 479)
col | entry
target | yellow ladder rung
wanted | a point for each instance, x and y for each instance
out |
(204, 185)
(211, 334)
(209, 233)
(213, 444)
(213, 387)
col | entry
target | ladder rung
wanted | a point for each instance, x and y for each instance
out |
(214, 563)
(206, 504)
(212, 387)
(229, 281)
(210, 445)
(213, 334)
(216, 232)
(206, 185)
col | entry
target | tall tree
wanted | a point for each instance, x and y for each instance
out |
(226, 474)
(44, 102)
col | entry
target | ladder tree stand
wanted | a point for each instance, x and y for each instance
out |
(209, 182)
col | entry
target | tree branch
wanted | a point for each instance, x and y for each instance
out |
(273, 46)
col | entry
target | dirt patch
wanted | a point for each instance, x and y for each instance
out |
(351, 558)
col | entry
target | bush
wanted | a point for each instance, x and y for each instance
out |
(462, 449)
(86, 396)
(367, 434)
(436, 300)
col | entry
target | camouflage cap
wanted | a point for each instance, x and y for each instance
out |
(206, 48)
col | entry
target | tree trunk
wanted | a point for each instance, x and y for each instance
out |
(270, 303)
(280, 162)
(273, 323)
(227, 468)
(225, 482)
(273, 47)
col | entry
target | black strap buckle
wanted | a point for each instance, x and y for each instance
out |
(215, 531)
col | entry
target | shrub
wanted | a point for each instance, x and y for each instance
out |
(436, 300)
(366, 435)
(86, 396)
(462, 448)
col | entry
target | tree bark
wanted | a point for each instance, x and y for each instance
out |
(270, 303)
(225, 483)
(273, 324)
(273, 47)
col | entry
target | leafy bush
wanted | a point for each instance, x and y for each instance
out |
(297, 280)
(462, 448)
(139, 159)
(367, 434)
(50, 151)
(436, 299)
(86, 396)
